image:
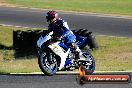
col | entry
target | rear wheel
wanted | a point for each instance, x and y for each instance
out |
(89, 65)
(48, 63)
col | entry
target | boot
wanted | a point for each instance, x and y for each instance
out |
(78, 53)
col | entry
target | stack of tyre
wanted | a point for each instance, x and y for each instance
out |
(25, 40)
(91, 40)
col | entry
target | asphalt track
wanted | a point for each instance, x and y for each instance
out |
(98, 24)
(56, 81)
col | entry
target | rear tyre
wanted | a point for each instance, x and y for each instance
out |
(89, 69)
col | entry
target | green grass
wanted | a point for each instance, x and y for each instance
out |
(8, 63)
(97, 6)
(23, 65)
(6, 41)
(114, 54)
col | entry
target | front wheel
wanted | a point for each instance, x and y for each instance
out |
(47, 63)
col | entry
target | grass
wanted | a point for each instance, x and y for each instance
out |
(23, 65)
(6, 41)
(8, 63)
(97, 6)
(114, 54)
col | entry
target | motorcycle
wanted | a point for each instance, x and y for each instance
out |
(54, 55)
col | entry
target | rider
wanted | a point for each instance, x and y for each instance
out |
(60, 29)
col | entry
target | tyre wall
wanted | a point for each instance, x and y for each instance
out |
(24, 41)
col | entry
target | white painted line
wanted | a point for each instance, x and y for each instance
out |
(75, 72)
(5, 25)
(103, 15)
(16, 26)
(112, 71)
(112, 36)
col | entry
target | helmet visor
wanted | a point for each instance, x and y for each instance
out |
(49, 18)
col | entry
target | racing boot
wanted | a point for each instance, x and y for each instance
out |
(78, 53)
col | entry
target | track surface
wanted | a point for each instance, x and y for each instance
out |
(56, 81)
(98, 24)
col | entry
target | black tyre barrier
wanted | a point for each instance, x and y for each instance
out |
(83, 31)
(16, 39)
(75, 31)
(79, 31)
(91, 40)
(92, 43)
(24, 41)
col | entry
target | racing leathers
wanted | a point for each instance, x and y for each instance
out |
(61, 29)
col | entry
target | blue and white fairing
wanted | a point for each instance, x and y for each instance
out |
(42, 39)
(55, 47)
(59, 48)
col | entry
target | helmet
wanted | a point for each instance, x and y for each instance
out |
(51, 15)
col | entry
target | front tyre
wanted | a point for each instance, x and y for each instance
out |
(47, 63)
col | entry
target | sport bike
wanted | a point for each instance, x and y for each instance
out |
(55, 55)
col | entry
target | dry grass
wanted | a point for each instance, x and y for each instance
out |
(21, 65)
(2, 1)
(115, 53)
(1, 57)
